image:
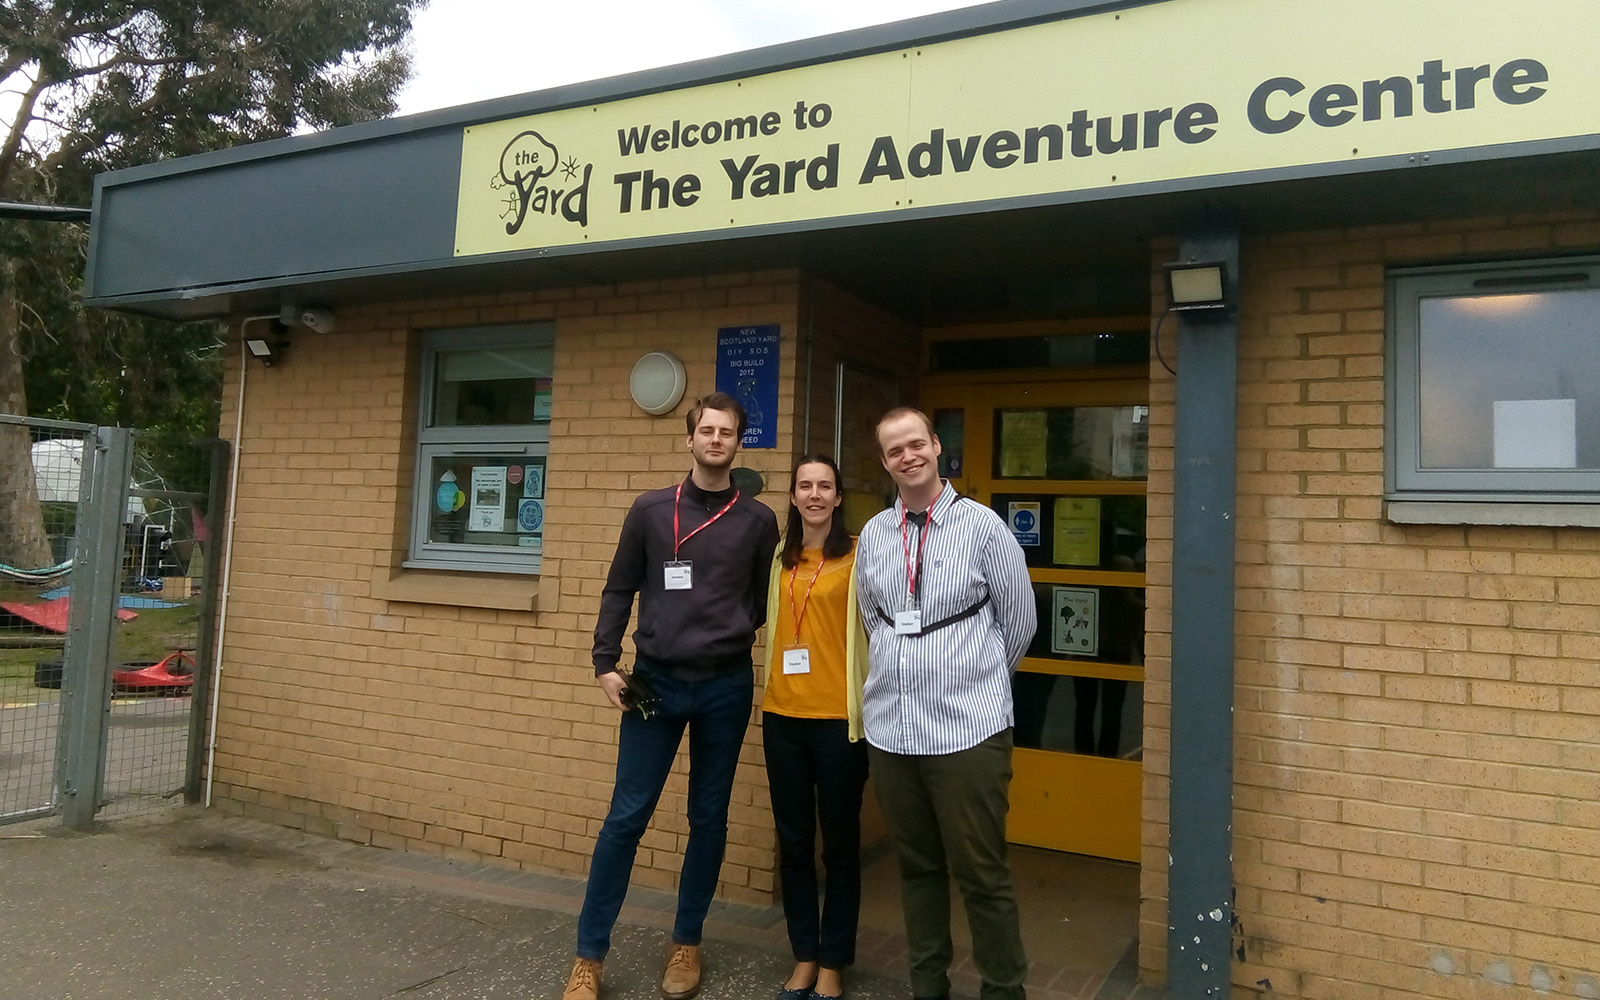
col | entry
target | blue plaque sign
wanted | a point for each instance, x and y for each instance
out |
(747, 369)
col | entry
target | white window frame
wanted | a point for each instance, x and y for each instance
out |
(530, 440)
(1472, 496)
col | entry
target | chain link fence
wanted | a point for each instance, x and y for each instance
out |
(127, 728)
(40, 484)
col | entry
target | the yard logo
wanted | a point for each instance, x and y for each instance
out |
(530, 167)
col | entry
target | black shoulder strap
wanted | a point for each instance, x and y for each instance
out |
(960, 616)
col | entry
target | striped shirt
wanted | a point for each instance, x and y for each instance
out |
(950, 689)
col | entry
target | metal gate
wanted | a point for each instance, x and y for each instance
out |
(105, 621)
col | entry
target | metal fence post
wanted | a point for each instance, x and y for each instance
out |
(86, 667)
(205, 646)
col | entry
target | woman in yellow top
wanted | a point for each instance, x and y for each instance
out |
(811, 729)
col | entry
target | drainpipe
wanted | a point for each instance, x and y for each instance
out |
(227, 552)
(1200, 859)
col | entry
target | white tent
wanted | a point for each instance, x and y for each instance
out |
(58, 469)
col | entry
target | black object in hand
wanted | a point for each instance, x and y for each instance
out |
(638, 695)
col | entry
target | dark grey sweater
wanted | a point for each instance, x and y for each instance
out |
(709, 628)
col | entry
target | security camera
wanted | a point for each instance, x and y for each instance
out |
(320, 320)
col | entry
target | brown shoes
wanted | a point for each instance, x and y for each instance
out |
(681, 980)
(584, 983)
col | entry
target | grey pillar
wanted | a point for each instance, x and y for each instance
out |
(86, 661)
(1200, 877)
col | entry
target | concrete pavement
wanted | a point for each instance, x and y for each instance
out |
(186, 904)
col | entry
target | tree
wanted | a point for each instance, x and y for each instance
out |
(98, 86)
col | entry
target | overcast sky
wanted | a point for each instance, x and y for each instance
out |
(472, 50)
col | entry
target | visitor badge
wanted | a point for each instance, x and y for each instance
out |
(908, 622)
(797, 660)
(679, 575)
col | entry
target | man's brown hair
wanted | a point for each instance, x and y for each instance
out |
(896, 414)
(717, 401)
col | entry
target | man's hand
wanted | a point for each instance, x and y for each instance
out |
(612, 684)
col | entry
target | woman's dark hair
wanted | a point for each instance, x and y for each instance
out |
(838, 541)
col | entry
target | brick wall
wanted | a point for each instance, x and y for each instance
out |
(1417, 727)
(467, 731)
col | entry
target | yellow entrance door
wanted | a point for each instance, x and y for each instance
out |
(1062, 460)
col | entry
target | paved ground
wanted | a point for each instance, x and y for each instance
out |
(147, 743)
(186, 904)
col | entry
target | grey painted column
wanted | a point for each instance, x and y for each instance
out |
(1200, 883)
(86, 661)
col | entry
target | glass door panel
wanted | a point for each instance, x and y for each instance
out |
(1082, 443)
(1064, 463)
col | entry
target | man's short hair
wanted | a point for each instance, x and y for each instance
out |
(896, 414)
(716, 401)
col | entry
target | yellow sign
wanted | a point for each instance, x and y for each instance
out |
(1077, 523)
(1023, 439)
(1086, 107)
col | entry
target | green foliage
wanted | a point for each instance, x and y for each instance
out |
(116, 84)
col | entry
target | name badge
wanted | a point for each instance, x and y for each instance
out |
(680, 575)
(908, 622)
(797, 660)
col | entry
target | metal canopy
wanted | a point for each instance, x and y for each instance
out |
(1089, 258)
(368, 213)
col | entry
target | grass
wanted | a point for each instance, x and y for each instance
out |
(150, 636)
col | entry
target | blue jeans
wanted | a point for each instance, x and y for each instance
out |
(716, 712)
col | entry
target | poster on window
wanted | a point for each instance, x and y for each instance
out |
(1075, 621)
(1536, 433)
(1023, 520)
(1077, 524)
(1023, 437)
(530, 516)
(488, 511)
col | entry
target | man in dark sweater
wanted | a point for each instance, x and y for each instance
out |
(698, 556)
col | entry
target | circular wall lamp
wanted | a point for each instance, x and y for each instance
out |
(657, 382)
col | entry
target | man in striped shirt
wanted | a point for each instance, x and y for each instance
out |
(950, 610)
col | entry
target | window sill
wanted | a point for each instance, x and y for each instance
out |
(1548, 515)
(468, 590)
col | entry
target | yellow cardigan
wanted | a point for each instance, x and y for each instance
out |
(855, 644)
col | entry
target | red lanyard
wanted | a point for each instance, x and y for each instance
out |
(914, 572)
(676, 541)
(800, 612)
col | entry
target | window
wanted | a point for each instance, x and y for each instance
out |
(1494, 384)
(481, 449)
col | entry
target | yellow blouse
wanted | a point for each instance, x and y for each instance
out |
(829, 629)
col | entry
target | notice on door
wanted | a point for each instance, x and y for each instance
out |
(1024, 521)
(1075, 621)
(1022, 444)
(1077, 524)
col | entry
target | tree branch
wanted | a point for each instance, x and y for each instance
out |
(43, 328)
(13, 62)
(19, 125)
(122, 59)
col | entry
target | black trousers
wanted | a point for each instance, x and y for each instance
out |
(816, 775)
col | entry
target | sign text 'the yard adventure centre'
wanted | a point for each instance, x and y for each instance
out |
(1086, 107)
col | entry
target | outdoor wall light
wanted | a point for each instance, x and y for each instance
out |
(657, 382)
(1197, 285)
(268, 351)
